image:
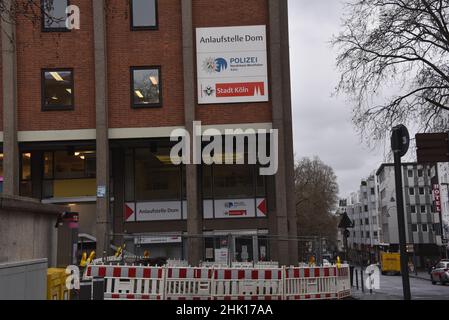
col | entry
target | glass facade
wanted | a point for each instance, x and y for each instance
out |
(69, 174)
(150, 175)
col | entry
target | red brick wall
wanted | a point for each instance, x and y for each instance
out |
(37, 50)
(218, 13)
(128, 48)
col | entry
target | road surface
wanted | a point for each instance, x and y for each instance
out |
(391, 289)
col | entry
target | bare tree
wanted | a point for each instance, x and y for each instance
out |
(399, 46)
(316, 198)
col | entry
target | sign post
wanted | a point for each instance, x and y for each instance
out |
(400, 142)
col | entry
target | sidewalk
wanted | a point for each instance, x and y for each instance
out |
(421, 275)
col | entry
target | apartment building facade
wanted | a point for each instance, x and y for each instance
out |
(362, 209)
(372, 209)
(87, 114)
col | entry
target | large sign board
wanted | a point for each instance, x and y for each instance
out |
(232, 64)
(153, 211)
(240, 208)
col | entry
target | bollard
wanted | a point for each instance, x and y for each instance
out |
(357, 279)
(85, 290)
(98, 289)
(351, 275)
(361, 280)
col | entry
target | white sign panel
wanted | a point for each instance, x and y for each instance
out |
(157, 240)
(221, 256)
(158, 211)
(232, 64)
(242, 208)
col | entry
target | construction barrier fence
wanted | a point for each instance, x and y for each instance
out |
(124, 282)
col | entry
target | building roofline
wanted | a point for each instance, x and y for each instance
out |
(383, 165)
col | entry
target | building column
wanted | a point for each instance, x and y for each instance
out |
(286, 224)
(102, 138)
(9, 86)
(194, 212)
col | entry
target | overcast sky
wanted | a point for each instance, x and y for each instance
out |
(322, 123)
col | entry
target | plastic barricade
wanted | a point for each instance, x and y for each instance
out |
(248, 284)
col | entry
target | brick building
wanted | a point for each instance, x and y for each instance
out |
(87, 115)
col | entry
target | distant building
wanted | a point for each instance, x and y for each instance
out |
(363, 210)
(373, 211)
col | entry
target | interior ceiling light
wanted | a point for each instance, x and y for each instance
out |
(139, 94)
(56, 75)
(154, 80)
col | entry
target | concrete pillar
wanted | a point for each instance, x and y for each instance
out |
(288, 133)
(102, 142)
(287, 249)
(194, 212)
(9, 86)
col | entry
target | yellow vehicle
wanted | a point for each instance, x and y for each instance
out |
(390, 262)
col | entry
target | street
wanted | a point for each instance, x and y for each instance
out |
(391, 289)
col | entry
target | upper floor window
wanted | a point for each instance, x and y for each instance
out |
(143, 14)
(146, 87)
(54, 15)
(57, 89)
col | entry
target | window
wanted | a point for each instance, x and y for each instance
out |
(156, 178)
(420, 173)
(54, 15)
(74, 165)
(146, 88)
(423, 209)
(143, 14)
(373, 191)
(57, 89)
(410, 173)
(411, 191)
(25, 175)
(366, 221)
(367, 234)
(365, 208)
(413, 209)
(376, 233)
(414, 227)
(233, 181)
(425, 228)
(421, 190)
(70, 172)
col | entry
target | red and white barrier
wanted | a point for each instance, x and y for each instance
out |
(343, 282)
(130, 282)
(187, 283)
(248, 284)
(311, 283)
